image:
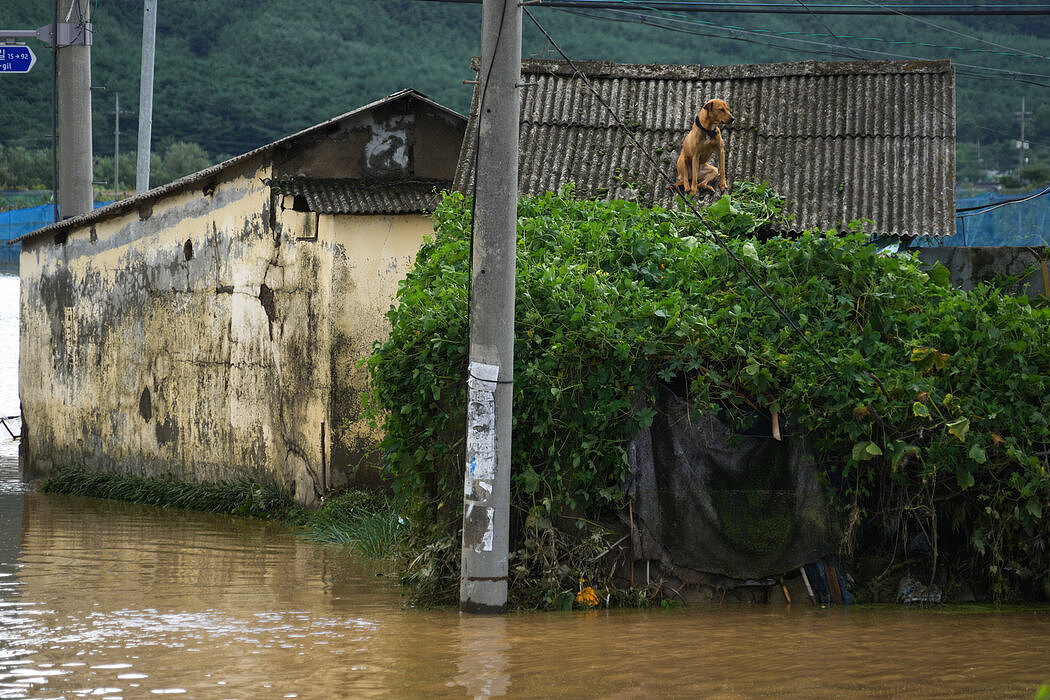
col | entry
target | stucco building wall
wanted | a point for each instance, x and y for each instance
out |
(153, 342)
(217, 338)
(213, 329)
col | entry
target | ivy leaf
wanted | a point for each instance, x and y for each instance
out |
(898, 451)
(959, 427)
(928, 358)
(940, 275)
(1034, 508)
(645, 417)
(865, 450)
(529, 480)
(722, 208)
(978, 455)
(750, 253)
(920, 410)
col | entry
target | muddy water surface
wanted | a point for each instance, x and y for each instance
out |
(101, 599)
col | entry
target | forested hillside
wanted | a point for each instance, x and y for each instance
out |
(233, 75)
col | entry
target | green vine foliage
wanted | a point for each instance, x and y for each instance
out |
(929, 409)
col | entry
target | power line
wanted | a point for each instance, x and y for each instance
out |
(985, 208)
(962, 34)
(717, 237)
(928, 9)
(825, 48)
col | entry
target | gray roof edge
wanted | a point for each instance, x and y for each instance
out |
(187, 181)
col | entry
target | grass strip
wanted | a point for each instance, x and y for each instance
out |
(367, 522)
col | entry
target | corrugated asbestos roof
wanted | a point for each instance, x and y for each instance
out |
(194, 179)
(842, 141)
(346, 196)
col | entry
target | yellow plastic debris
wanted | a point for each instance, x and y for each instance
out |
(587, 597)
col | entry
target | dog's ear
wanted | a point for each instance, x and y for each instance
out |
(709, 106)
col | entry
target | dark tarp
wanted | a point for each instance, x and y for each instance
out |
(713, 501)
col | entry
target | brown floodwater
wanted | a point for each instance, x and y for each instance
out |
(102, 599)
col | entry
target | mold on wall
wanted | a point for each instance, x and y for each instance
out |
(140, 355)
(372, 255)
(214, 329)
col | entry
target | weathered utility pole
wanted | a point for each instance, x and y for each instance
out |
(486, 501)
(149, 43)
(75, 194)
(1022, 145)
(116, 145)
(70, 39)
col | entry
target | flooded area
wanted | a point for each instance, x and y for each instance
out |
(103, 599)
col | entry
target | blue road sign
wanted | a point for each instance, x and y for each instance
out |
(16, 59)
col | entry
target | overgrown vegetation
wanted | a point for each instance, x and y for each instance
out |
(930, 413)
(364, 521)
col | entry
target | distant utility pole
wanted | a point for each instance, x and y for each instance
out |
(486, 500)
(70, 37)
(116, 145)
(1022, 145)
(149, 43)
(74, 109)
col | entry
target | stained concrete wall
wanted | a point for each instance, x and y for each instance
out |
(209, 331)
(969, 266)
(373, 254)
(211, 337)
(167, 341)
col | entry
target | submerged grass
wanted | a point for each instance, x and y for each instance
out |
(367, 522)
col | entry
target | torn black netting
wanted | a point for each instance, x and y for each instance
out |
(713, 500)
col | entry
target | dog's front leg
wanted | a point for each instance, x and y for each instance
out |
(695, 174)
(721, 162)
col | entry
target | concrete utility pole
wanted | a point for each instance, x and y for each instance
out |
(486, 501)
(70, 37)
(74, 110)
(116, 145)
(149, 43)
(1022, 145)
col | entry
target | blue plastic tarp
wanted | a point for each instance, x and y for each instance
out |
(18, 222)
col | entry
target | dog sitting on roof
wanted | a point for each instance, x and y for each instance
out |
(703, 139)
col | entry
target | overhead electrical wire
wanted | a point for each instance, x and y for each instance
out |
(965, 35)
(689, 26)
(985, 208)
(913, 8)
(714, 234)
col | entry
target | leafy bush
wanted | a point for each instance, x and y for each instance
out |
(928, 404)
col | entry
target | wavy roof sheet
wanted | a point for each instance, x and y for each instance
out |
(842, 141)
(350, 196)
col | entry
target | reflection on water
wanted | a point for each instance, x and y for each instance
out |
(102, 599)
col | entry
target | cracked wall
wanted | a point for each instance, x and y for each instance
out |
(190, 338)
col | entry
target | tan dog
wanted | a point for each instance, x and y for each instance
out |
(699, 145)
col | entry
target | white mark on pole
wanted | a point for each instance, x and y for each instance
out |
(478, 527)
(481, 456)
(481, 423)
